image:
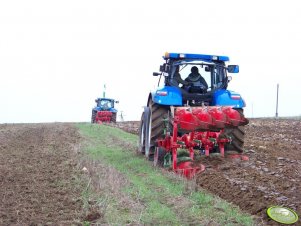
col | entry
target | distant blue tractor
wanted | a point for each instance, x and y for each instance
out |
(192, 115)
(104, 111)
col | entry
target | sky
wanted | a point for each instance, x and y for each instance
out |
(56, 56)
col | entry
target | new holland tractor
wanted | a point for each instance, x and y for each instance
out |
(192, 114)
(104, 111)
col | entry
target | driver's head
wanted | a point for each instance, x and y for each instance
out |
(194, 69)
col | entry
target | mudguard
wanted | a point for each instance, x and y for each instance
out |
(228, 98)
(168, 95)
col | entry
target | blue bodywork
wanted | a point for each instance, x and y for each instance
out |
(227, 98)
(189, 56)
(168, 95)
(101, 107)
(172, 96)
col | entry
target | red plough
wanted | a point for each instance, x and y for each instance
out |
(196, 129)
(103, 116)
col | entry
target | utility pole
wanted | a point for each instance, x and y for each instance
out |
(277, 101)
(104, 91)
(121, 116)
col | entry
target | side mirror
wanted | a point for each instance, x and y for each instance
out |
(161, 68)
(233, 68)
(164, 68)
(117, 101)
(156, 73)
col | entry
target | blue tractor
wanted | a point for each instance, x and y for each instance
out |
(104, 111)
(192, 109)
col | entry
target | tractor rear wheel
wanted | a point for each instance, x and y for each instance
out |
(143, 129)
(237, 135)
(113, 119)
(155, 128)
(93, 116)
(141, 147)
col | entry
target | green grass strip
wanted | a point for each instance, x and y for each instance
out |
(164, 198)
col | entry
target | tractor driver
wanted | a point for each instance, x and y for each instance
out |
(197, 83)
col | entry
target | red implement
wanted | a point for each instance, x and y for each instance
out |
(172, 143)
(204, 127)
(208, 118)
(103, 116)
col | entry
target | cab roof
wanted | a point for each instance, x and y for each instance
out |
(192, 56)
(103, 98)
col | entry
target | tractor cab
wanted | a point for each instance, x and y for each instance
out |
(215, 75)
(183, 87)
(105, 103)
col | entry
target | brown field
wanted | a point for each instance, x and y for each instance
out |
(272, 176)
(38, 175)
(38, 169)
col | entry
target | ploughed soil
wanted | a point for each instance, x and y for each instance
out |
(38, 176)
(271, 176)
(39, 184)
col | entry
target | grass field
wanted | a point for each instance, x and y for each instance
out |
(124, 188)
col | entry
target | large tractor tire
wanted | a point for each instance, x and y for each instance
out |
(143, 129)
(114, 115)
(93, 116)
(237, 136)
(155, 127)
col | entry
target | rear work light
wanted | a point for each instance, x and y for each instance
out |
(235, 97)
(162, 93)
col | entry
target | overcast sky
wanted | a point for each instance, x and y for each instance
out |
(55, 56)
